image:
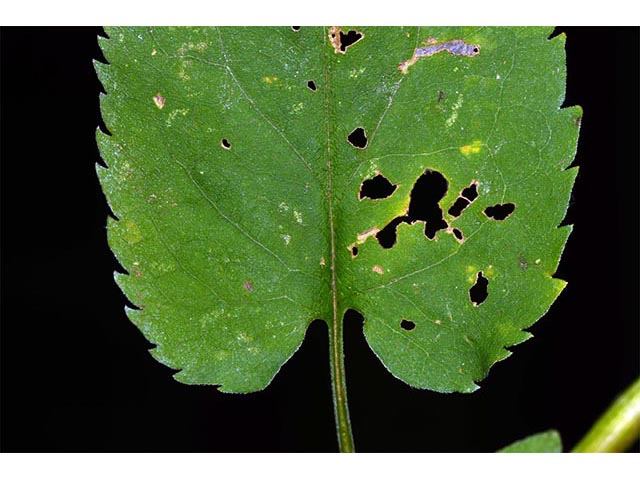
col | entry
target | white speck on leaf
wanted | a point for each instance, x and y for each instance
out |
(454, 111)
(174, 113)
(159, 100)
(244, 337)
(297, 108)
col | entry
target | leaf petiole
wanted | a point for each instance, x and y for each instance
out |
(339, 387)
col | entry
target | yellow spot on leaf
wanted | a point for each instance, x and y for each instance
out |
(474, 147)
(490, 272)
(270, 79)
(132, 232)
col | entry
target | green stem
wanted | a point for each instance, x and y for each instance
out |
(339, 387)
(618, 428)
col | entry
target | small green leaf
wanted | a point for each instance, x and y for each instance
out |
(545, 442)
(267, 177)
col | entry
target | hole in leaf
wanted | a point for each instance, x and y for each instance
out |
(224, 143)
(348, 39)
(424, 206)
(471, 192)
(458, 206)
(407, 325)
(354, 251)
(388, 235)
(466, 198)
(428, 190)
(478, 292)
(295, 29)
(500, 211)
(311, 85)
(357, 138)
(458, 234)
(377, 188)
(476, 49)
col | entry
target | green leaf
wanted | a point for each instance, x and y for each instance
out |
(545, 442)
(238, 193)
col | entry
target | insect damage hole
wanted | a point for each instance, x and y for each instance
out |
(471, 192)
(341, 41)
(429, 189)
(501, 211)
(467, 197)
(224, 143)
(407, 325)
(311, 85)
(426, 194)
(377, 188)
(348, 39)
(479, 291)
(458, 206)
(358, 138)
(295, 29)
(388, 235)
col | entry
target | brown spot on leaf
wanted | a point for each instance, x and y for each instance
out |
(367, 233)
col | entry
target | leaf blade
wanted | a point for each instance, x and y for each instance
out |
(230, 249)
(544, 442)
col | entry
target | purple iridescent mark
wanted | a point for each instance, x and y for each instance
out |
(454, 47)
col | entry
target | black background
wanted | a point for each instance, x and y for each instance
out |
(76, 375)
